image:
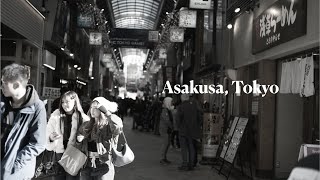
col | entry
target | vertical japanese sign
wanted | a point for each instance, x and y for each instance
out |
(281, 22)
(188, 18)
(176, 35)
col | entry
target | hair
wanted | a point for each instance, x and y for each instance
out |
(167, 102)
(108, 105)
(77, 105)
(16, 72)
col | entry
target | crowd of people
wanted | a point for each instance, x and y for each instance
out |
(26, 133)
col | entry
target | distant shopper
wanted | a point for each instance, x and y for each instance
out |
(63, 125)
(189, 124)
(23, 124)
(166, 128)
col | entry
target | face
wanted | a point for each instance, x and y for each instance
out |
(8, 88)
(67, 104)
(94, 111)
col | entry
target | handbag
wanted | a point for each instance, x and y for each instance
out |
(124, 156)
(48, 166)
(72, 160)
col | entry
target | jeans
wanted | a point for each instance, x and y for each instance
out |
(188, 151)
(165, 145)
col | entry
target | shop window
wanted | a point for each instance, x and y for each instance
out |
(8, 48)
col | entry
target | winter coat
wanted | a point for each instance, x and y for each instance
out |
(189, 119)
(55, 124)
(26, 139)
(106, 135)
(165, 122)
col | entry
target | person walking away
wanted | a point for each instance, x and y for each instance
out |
(165, 128)
(175, 134)
(23, 124)
(98, 136)
(63, 125)
(188, 121)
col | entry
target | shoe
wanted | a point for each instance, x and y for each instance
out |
(164, 162)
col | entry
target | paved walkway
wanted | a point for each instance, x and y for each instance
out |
(146, 165)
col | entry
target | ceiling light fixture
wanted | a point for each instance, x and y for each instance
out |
(75, 66)
(71, 55)
(229, 26)
(237, 10)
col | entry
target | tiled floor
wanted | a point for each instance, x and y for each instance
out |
(146, 166)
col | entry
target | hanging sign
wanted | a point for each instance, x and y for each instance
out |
(176, 35)
(107, 58)
(163, 53)
(85, 20)
(153, 36)
(188, 18)
(280, 23)
(200, 4)
(95, 38)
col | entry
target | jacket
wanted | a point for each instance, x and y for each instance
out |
(55, 125)
(189, 119)
(26, 139)
(108, 134)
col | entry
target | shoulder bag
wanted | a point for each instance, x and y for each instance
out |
(124, 156)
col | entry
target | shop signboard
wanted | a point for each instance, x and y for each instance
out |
(176, 35)
(153, 36)
(85, 20)
(130, 38)
(163, 53)
(212, 131)
(107, 57)
(308, 149)
(236, 139)
(200, 4)
(95, 38)
(281, 22)
(227, 139)
(188, 18)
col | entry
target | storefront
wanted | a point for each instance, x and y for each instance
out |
(263, 40)
(22, 30)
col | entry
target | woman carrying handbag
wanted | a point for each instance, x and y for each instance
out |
(99, 135)
(63, 125)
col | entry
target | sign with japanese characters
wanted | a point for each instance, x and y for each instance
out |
(188, 18)
(163, 53)
(132, 38)
(95, 38)
(85, 20)
(281, 22)
(153, 36)
(200, 4)
(176, 35)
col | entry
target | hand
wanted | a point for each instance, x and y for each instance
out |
(80, 138)
(101, 149)
(54, 136)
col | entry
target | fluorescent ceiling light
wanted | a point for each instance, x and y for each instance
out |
(50, 67)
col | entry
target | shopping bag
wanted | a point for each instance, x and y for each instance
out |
(72, 160)
(47, 166)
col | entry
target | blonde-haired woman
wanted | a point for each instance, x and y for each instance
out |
(99, 135)
(64, 123)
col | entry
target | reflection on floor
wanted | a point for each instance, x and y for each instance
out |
(146, 166)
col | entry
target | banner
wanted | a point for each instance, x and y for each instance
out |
(95, 38)
(280, 23)
(176, 35)
(130, 38)
(153, 36)
(200, 4)
(85, 20)
(188, 18)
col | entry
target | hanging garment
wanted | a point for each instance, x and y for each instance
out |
(285, 83)
(307, 86)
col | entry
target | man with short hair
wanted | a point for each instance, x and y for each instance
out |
(189, 124)
(23, 124)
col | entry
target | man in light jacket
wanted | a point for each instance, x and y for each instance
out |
(23, 124)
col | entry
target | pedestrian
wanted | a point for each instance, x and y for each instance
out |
(189, 125)
(166, 128)
(23, 124)
(175, 134)
(99, 135)
(63, 125)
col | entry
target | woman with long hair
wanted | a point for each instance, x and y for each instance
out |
(63, 125)
(99, 135)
